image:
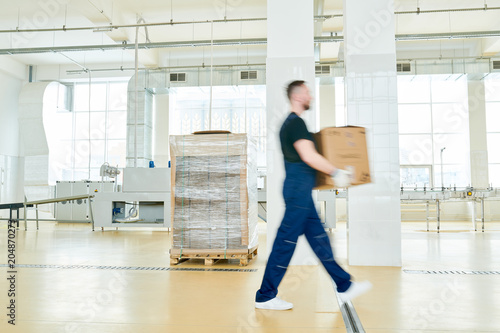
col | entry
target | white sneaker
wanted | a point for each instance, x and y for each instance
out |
(356, 289)
(274, 304)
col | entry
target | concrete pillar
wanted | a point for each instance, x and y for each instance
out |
(374, 222)
(477, 134)
(161, 131)
(12, 74)
(290, 56)
(326, 105)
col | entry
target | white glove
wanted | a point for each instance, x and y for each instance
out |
(342, 178)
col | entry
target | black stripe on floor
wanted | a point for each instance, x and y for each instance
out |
(451, 272)
(135, 268)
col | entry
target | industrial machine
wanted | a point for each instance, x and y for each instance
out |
(328, 205)
(438, 196)
(143, 202)
(78, 210)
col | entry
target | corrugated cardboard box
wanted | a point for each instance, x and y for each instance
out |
(345, 148)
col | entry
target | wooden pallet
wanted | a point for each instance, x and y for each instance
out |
(211, 257)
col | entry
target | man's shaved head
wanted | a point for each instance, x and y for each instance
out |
(293, 87)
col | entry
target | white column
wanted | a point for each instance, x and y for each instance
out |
(161, 131)
(326, 105)
(374, 225)
(477, 134)
(290, 56)
(11, 165)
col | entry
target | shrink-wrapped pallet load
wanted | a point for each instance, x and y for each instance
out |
(214, 197)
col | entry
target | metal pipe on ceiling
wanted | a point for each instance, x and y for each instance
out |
(418, 11)
(450, 10)
(253, 65)
(448, 35)
(232, 42)
(126, 46)
(111, 27)
(123, 69)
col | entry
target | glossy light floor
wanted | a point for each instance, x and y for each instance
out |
(116, 300)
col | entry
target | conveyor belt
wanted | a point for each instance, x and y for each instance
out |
(15, 207)
(54, 200)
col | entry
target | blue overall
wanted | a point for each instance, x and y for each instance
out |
(300, 218)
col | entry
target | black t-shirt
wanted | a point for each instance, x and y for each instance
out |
(293, 129)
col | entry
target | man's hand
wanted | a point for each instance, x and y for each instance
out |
(341, 178)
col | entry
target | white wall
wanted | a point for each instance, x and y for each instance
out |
(9, 127)
(12, 75)
(161, 131)
(326, 102)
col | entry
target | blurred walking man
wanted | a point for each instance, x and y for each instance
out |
(302, 161)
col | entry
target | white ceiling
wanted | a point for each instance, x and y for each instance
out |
(90, 13)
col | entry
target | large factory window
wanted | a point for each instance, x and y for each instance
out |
(492, 100)
(434, 129)
(433, 114)
(239, 109)
(98, 135)
(420, 176)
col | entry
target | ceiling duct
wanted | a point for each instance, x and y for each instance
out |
(177, 77)
(322, 70)
(404, 67)
(248, 75)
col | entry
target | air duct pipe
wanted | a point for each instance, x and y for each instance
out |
(137, 81)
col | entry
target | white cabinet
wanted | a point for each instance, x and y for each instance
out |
(2, 178)
(9, 179)
(78, 210)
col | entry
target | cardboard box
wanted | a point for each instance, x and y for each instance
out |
(345, 148)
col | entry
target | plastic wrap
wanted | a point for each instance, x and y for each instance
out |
(214, 193)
